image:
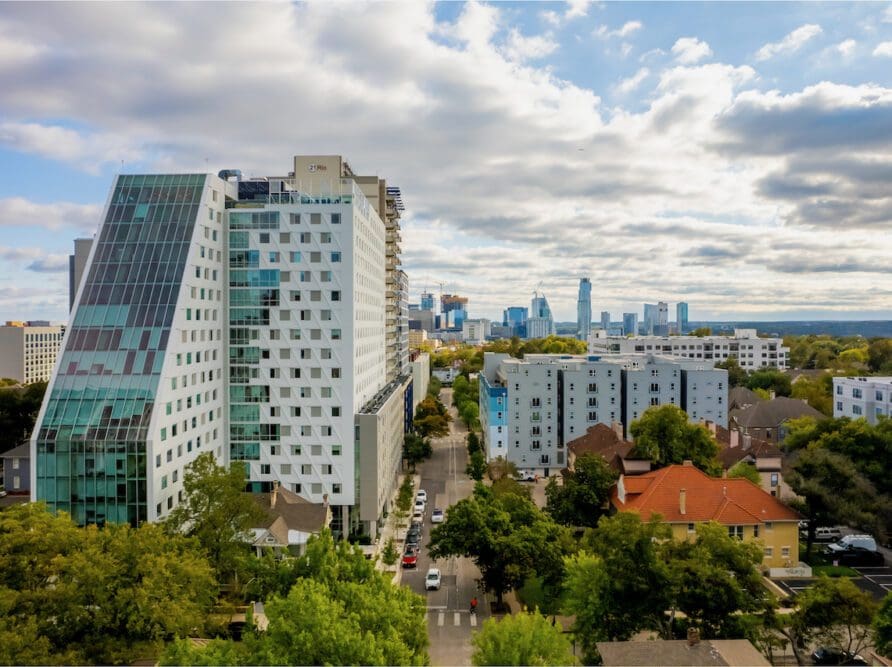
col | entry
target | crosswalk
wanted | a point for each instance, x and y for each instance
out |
(454, 618)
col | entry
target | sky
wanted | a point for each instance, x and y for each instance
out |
(737, 156)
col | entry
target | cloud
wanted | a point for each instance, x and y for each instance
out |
(50, 264)
(846, 47)
(690, 50)
(577, 9)
(520, 48)
(38, 259)
(887, 15)
(628, 28)
(791, 43)
(545, 183)
(74, 218)
(626, 86)
(883, 49)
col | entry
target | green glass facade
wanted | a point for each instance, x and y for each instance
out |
(91, 440)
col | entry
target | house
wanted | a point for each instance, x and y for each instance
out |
(767, 420)
(289, 522)
(607, 442)
(672, 652)
(766, 457)
(683, 496)
(17, 469)
(741, 397)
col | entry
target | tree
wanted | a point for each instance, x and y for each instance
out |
(770, 379)
(700, 332)
(96, 595)
(746, 470)
(338, 611)
(432, 426)
(816, 392)
(416, 449)
(882, 627)
(737, 376)
(476, 466)
(582, 499)
(623, 585)
(18, 412)
(434, 386)
(474, 443)
(521, 639)
(390, 555)
(508, 537)
(879, 355)
(836, 613)
(500, 468)
(665, 436)
(832, 492)
(216, 511)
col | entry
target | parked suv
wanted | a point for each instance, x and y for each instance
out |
(858, 557)
(828, 533)
(860, 541)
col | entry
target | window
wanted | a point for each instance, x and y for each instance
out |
(294, 218)
(335, 218)
(274, 257)
(735, 531)
(336, 295)
(295, 256)
(756, 530)
(264, 237)
(769, 552)
(785, 552)
(856, 409)
(775, 479)
(335, 488)
(856, 393)
(336, 256)
(264, 468)
(315, 257)
(284, 237)
(839, 406)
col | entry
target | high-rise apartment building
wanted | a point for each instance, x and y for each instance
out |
(76, 265)
(681, 317)
(661, 326)
(630, 324)
(260, 319)
(427, 301)
(584, 309)
(28, 350)
(650, 318)
(540, 323)
(454, 309)
(531, 408)
(605, 320)
(515, 317)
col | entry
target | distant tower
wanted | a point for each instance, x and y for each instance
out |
(661, 326)
(605, 320)
(427, 301)
(630, 324)
(584, 310)
(650, 318)
(76, 265)
(681, 316)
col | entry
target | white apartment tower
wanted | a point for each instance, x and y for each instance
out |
(276, 325)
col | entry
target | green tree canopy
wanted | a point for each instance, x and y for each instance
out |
(665, 436)
(770, 379)
(882, 627)
(476, 467)
(508, 537)
(216, 511)
(836, 613)
(96, 595)
(416, 449)
(18, 412)
(817, 392)
(746, 470)
(737, 376)
(582, 498)
(879, 355)
(521, 639)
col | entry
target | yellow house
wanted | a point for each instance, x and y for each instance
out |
(684, 496)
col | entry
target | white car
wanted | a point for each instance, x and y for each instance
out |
(421, 495)
(432, 580)
(437, 515)
(419, 505)
(418, 515)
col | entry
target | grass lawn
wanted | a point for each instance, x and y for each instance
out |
(834, 571)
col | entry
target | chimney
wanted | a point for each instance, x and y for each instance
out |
(618, 429)
(272, 496)
(682, 501)
(747, 441)
(711, 426)
(693, 636)
(735, 438)
(724, 490)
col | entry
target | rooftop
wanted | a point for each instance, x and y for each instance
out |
(679, 652)
(773, 413)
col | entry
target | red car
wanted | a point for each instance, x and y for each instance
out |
(410, 558)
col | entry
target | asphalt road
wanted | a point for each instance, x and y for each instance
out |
(450, 624)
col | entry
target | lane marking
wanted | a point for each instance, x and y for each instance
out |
(441, 618)
(473, 620)
(456, 618)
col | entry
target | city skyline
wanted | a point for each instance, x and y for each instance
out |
(637, 144)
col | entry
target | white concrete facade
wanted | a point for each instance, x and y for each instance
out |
(751, 351)
(862, 397)
(421, 378)
(475, 331)
(28, 353)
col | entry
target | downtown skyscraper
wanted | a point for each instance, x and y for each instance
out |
(262, 320)
(584, 310)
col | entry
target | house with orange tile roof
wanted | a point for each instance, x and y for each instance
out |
(684, 496)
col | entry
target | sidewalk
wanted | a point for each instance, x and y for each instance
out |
(398, 533)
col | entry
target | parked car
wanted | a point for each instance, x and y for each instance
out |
(858, 557)
(410, 557)
(421, 495)
(526, 476)
(420, 505)
(418, 515)
(860, 541)
(828, 534)
(413, 537)
(825, 655)
(432, 580)
(437, 515)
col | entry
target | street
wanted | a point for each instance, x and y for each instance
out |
(450, 622)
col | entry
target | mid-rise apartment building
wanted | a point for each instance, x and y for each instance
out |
(531, 408)
(862, 397)
(476, 331)
(745, 345)
(260, 319)
(28, 350)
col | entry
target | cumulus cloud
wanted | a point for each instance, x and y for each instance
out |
(883, 49)
(38, 259)
(628, 28)
(511, 174)
(690, 50)
(846, 47)
(520, 47)
(577, 8)
(626, 86)
(791, 43)
(887, 15)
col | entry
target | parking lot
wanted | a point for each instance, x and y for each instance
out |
(874, 580)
